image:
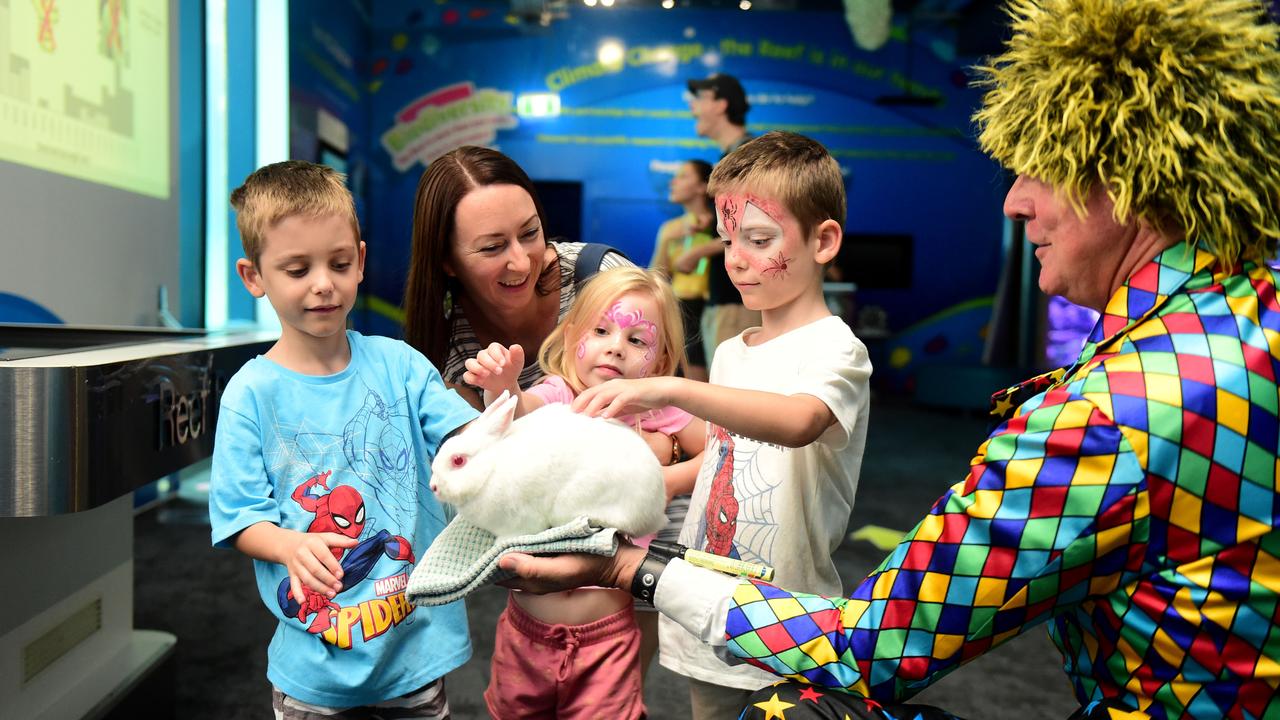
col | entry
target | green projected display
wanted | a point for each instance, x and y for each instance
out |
(84, 90)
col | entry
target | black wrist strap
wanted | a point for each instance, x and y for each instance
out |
(645, 582)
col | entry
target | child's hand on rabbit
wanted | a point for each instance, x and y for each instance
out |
(625, 397)
(494, 369)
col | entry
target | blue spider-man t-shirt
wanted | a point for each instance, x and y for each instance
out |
(348, 453)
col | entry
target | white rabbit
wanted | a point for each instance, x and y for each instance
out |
(548, 468)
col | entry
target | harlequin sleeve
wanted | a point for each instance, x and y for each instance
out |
(1053, 510)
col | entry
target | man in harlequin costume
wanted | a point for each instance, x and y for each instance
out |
(1129, 502)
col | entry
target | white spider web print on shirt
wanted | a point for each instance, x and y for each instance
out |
(757, 527)
(372, 447)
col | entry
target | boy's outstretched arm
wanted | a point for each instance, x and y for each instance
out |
(787, 420)
(306, 555)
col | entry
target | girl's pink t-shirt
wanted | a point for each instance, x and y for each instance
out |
(669, 420)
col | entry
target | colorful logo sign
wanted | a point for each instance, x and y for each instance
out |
(446, 118)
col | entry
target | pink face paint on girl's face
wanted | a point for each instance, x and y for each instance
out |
(627, 318)
(623, 342)
(634, 318)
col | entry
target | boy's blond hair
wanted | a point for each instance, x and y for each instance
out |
(792, 169)
(597, 294)
(276, 192)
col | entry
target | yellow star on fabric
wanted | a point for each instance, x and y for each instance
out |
(1003, 405)
(773, 708)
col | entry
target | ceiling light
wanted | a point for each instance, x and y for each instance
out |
(610, 52)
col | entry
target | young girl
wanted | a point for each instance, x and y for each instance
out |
(578, 652)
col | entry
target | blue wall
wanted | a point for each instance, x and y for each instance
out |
(434, 76)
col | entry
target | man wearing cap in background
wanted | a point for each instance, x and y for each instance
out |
(719, 106)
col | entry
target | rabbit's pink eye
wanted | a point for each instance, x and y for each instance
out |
(458, 460)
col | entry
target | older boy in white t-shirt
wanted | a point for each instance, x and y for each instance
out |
(787, 405)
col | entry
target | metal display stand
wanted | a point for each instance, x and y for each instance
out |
(90, 414)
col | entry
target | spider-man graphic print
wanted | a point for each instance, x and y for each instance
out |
(340, 511)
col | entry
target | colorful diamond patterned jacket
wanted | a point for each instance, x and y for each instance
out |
(1130, 501)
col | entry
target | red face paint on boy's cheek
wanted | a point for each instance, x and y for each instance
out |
(776, 266)
(768, 268)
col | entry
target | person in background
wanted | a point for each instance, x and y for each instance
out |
(719, 106)
(676, 237)
(1130, 501)
(482, 270)
(321, 461)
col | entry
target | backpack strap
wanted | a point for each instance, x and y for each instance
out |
(589, 260)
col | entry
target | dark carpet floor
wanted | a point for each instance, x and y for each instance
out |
(208, 599)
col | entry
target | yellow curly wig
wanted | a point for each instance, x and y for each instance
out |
(1173, 105)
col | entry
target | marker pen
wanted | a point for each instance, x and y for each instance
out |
(719, 563)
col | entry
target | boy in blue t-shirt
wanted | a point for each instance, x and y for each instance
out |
(321, 463)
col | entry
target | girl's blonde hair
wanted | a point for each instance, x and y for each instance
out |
(594, 298)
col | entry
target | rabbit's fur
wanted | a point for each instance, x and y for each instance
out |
(548, 468)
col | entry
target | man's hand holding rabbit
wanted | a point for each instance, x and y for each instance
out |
(553, 573)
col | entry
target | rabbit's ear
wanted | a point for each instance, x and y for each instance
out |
(496, 418)
(504, 411)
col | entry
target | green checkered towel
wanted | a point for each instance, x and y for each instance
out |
(464, 557)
